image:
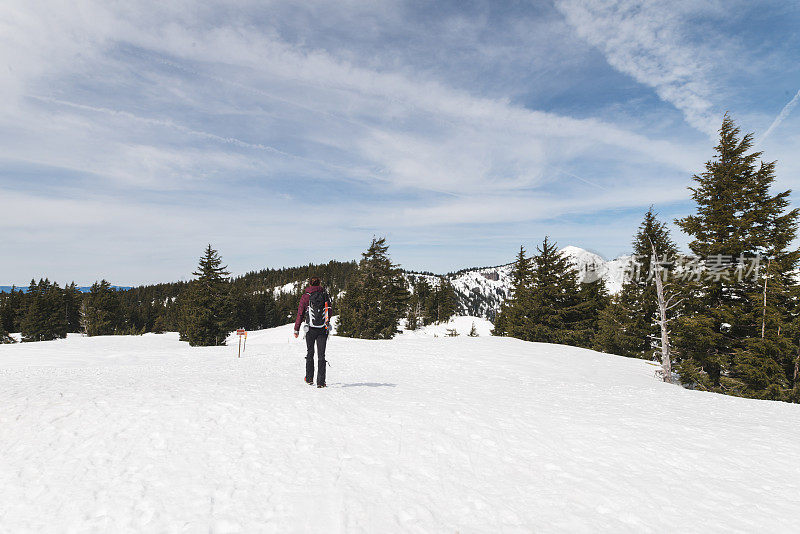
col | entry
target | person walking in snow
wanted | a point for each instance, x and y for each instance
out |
(315, 306)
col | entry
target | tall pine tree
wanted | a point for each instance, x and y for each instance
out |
(44, 317)
(102, 311)
(206, 313)
(509, 319)
(73, 298)
(736, 336)
(440, 303)
(552, 305)
(376, 297)
(420, 294)
(584, 321)
(5, 310)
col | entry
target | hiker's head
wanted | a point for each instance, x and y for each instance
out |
(314, 281)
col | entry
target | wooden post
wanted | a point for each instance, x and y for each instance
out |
(239, 333)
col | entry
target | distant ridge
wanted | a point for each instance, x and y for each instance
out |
(481, 291)
(82, 289)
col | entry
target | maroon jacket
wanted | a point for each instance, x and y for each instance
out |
(301, 309)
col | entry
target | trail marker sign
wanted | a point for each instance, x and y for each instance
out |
(242, 332)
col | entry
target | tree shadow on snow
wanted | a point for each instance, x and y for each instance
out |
(369, 384)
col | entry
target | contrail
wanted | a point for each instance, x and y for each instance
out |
(782, 115)
(167, 124)
(584, 180)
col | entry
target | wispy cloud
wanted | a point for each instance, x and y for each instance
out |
(650, 40)
(371, 124)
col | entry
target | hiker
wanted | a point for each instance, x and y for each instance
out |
(315, 305)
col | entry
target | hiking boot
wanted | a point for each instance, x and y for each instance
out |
(321, 386)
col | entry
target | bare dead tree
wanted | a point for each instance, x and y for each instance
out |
(664, 305)
(764, 307)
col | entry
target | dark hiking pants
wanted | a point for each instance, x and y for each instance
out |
(320, 337)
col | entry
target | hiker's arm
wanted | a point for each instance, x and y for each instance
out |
(301, 311)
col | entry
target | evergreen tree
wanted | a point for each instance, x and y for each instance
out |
(447, 300)
(421, 299)
(376, 297)
(73, 298)
(102, 312)
(584, 320)
(44, 317)
(12, 308)
(33, 319)
(253, 309)
(620, 326)
(440, 302)
(267, 310)
(55, 312)
(430, 306)
(512, 310)
(412, 319)
(206, 313)
(552, 306)
(243, 305)
(736, 336)
(5, 312)
(159, 325)
(413, 316)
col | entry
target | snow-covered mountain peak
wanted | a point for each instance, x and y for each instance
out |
(571, 250)
(591, 267)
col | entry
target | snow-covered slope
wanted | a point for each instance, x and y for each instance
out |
(456, 326)
(592, 267)
(291, 287)
(419, 434)
(481, 292)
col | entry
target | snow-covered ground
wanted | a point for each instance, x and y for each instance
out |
(420, 434)
(459, 326)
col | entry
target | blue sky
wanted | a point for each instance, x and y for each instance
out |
(133, 133)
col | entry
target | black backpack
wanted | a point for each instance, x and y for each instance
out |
(318, 314)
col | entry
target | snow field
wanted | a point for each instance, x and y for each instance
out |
(416, 434)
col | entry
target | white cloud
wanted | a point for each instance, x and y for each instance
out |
(380, 112)
(649, 40)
